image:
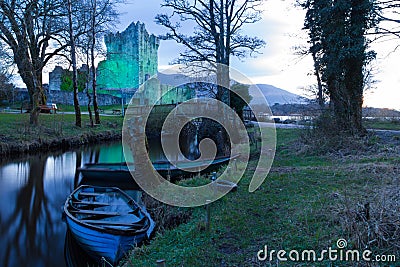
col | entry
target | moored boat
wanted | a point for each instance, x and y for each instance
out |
(106, 222)
(115, 173)
(188, 168)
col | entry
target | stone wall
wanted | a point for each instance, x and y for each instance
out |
(61, 97)
(20, 95)
(132, 58)
(55, 78)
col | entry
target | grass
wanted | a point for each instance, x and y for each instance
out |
(67, 108)
(15, 129)
(104, 109)
(306, 202)
(382, 124)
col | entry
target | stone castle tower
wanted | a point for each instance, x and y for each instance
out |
(132, 58)
(55, 78)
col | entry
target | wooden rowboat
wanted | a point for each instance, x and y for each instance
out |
(106, 222)
(119, 172)
(74, 255)
(165, 168)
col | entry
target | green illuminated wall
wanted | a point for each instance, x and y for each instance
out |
(131, 59)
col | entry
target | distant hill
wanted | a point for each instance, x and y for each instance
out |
(380, 112)
(274, 95)
(173, 79)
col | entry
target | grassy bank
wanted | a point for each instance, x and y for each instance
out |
(103, 109)
(306, 202)
(382, 124)
(55, 131)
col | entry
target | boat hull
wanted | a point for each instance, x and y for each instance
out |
(106, 222)
(98, 244)
(118, 174)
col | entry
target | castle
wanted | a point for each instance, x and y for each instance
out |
(132, 58)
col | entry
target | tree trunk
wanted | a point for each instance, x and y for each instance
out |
(35, 109)
(355, 84)
(222, 57)
(34, 86)
(354, 76)
(78, 119)
(93, 68)
(320, 96)
(87, 91)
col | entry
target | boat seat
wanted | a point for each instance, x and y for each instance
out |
(94, 212)
(79, 202)
(116, 223)
(89, 194)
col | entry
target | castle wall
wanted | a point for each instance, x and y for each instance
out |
(148, 55)
(62, 97)
(132, 56)
(55, 78)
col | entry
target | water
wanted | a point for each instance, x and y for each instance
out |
(33, 190)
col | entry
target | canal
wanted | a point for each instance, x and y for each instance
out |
(32, 193)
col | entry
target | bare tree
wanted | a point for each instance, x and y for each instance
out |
(98, 17)
(217, 33)
(388, 12)
(318, 92)
(103, 15)
(6, 87)
(31, 29)
(78, 118)
(37, 31)
(92, 45)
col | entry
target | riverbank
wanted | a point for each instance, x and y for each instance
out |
(307, 202)
(56, 131)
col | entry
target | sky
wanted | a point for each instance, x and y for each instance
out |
(277, 65)
(281, 28)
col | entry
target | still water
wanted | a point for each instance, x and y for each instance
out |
(32, 193)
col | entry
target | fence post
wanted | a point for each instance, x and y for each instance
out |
(161, 263)
(208, 217)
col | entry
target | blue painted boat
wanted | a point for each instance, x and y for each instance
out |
(106, 222)
(74, 255)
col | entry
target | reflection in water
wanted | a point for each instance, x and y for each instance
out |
(32, 194)
(31, 197)
(74, 255)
